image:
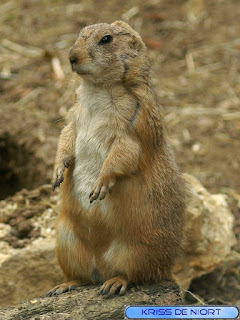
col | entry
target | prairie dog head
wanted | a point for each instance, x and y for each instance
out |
(109, 53)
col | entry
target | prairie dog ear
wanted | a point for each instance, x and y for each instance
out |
(137, 42)
(124, 25)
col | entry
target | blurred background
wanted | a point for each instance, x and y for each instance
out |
(194, 49)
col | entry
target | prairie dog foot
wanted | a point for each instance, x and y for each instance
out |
(102, 187)
(59, 172)
(64, 287)
(117, 285)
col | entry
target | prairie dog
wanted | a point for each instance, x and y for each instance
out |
(122, 196)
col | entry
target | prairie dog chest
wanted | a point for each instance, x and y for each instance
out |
(102, 116)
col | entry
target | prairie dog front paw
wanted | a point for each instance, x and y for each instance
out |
(102, 187)
(58, 175)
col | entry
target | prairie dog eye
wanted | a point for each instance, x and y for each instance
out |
(106, 39)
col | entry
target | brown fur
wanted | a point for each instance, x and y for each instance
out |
(137, 235)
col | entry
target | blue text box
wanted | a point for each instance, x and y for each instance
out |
(179, 312)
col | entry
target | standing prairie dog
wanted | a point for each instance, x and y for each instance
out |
(122, 196)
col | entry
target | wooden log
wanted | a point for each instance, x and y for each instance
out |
(85, 303)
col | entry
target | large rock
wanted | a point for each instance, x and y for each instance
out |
(28, 266)
(28, 272)
(209, 234)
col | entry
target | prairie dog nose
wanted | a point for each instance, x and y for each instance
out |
(73, 59)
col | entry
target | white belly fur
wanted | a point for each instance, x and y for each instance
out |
(99, 120)
(87, 166)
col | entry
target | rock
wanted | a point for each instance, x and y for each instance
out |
(28, 272)
(210, 235)
(4, 230)
(31, 271)
(85, 303)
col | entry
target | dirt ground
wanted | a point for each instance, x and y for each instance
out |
(194, 48)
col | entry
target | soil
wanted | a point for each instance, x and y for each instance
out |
(194, 48)
(26, 207)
